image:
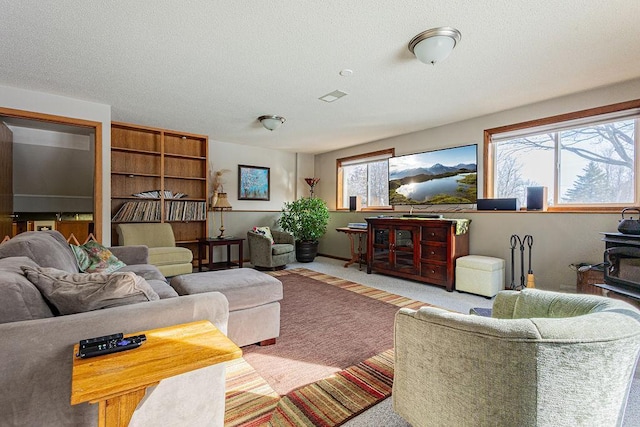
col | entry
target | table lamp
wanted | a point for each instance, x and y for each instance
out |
(222, 204)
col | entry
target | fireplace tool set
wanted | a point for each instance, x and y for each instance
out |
(517, 242)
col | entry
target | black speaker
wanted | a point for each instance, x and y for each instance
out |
(354, 203)
(536, 198)
(498, 204)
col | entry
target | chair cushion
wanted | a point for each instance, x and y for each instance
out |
(282, 248)
(243, 287)
(154, 277)
(79, 292)
(46, 248)
(153, 235)
(175, 270)
(170, 255)
(19, 298)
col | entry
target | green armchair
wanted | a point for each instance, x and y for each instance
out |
(543, 359)
(170, 259)
(264, 255)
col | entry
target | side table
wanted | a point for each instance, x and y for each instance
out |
(117, 382)
(356, 256)
(206, 245)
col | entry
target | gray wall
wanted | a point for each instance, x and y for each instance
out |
(52, 171)
(560, 238)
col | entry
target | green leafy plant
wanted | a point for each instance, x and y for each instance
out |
(306, 218)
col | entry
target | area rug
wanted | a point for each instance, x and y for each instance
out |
(318, 364)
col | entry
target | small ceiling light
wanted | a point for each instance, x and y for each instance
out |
(271, 122)
(333, 96)
(434, 45)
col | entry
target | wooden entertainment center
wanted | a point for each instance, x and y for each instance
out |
(421, 249)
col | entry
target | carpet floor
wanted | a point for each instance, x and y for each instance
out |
(333, 358)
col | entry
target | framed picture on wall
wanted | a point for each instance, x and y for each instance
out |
(253, 183)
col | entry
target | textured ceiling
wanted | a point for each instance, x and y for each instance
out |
(213, 67)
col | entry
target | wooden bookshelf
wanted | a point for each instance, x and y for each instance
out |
(146, 159)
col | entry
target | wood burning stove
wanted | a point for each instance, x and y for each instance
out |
(622, 264)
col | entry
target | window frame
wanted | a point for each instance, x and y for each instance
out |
(489, 151)
(390, 152)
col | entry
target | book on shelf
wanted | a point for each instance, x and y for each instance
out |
(185, 211)
(149, 211)
(155, 194)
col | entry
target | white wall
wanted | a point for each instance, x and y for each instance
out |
(560, 238)
(27, 100)
(287, 173)
(283, 167)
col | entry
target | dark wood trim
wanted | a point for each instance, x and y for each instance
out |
(488, 186)
(270, 341)
(333, 257)
(606, 109)
(390, 151)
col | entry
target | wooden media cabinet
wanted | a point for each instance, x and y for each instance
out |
(416, 248)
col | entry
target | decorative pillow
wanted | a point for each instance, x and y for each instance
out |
(92, 257)
(265, 231)
(79, 292)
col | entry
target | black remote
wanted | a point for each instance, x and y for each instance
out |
(91, 342)
(112, 346)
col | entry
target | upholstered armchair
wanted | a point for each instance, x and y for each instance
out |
(264, 254)
(170, 259)
(543, 359)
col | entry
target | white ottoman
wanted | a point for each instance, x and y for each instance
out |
(480, 275)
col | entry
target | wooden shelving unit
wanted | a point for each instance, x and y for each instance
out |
(147, 159)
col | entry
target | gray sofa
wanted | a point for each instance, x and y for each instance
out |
(36, 350)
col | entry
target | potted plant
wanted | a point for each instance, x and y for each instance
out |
(306, 219)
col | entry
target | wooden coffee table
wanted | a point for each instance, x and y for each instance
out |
(117, 382)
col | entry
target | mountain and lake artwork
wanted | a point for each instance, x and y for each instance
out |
(447, 176)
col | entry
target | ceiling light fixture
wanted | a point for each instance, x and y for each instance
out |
(271, 122)
(434, 45)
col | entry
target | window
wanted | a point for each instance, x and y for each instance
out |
(366, 176)
(587, 160)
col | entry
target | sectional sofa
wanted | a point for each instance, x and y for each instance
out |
(37, 344)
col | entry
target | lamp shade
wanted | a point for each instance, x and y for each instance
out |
(222, 203)
(434, 45)
(271, 122)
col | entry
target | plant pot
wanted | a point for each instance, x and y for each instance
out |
(306, 251)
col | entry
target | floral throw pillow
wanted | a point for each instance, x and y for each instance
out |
(92, 257)
(265, 231)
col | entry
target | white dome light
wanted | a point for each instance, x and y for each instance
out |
(434, 45)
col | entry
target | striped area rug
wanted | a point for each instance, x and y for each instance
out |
(250, 401)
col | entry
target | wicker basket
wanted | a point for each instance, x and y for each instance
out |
(586, 280)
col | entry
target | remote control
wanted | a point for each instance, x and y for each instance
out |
(112, 346)
(99, 340)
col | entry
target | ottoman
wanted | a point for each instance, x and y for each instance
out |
(480, 275)
(254, 307)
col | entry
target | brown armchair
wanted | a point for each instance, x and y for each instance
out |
(265, 255)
